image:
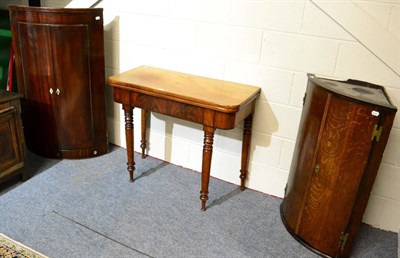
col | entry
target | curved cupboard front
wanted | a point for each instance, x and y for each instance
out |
(59, 57)
(342, 136)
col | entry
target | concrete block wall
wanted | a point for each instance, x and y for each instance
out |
(270, 44)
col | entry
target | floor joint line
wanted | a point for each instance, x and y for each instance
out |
(99, 233)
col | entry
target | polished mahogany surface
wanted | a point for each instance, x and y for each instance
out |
(12, 143)
(205, 92)
(59, 57)
(213, 103)
(342, 135)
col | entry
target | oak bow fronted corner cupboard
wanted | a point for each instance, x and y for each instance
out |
(59, 57)
(342, 135)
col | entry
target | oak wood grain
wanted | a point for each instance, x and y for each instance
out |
(335, 162)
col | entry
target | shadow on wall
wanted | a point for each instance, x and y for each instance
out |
(111, 55)
(266, 118)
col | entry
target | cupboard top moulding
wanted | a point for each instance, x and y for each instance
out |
(59, 58)
(357, 91)
(51, 15)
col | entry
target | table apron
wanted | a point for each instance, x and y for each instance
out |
(184, 111)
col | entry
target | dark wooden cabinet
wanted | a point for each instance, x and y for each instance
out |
(12, 144)
(343, 132)
(59, 56)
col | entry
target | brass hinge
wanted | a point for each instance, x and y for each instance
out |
(376, 133)
(342, 240)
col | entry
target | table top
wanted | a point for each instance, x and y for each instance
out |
(200, 91)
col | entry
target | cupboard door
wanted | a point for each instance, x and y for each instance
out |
(37, 85)
(59, 57)
(341, 158)
(71, 52)
(11, 157)
(306, 144)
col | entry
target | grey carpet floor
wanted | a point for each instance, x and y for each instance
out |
(87, 208)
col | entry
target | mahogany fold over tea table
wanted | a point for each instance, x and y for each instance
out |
(210, 102)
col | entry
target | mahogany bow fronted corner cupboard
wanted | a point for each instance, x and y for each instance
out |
(342, 135)
(59, 57)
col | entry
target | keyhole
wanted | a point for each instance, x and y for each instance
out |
(316, 169)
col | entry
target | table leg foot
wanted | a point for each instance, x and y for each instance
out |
(243, 175)
(143, 141)
(245, 150)
(203, 198)
(143, 146)
(206, 165)
(131, 169)
(128, 112)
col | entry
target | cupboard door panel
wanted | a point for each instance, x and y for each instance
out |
(39, 114)
(341, 160)
(12, 148)
(73, 90)
(305, 148)
(9, 149)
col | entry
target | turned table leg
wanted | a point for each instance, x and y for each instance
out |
(128, 111)
(206, 165)
(245, 150)
(143, 142)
